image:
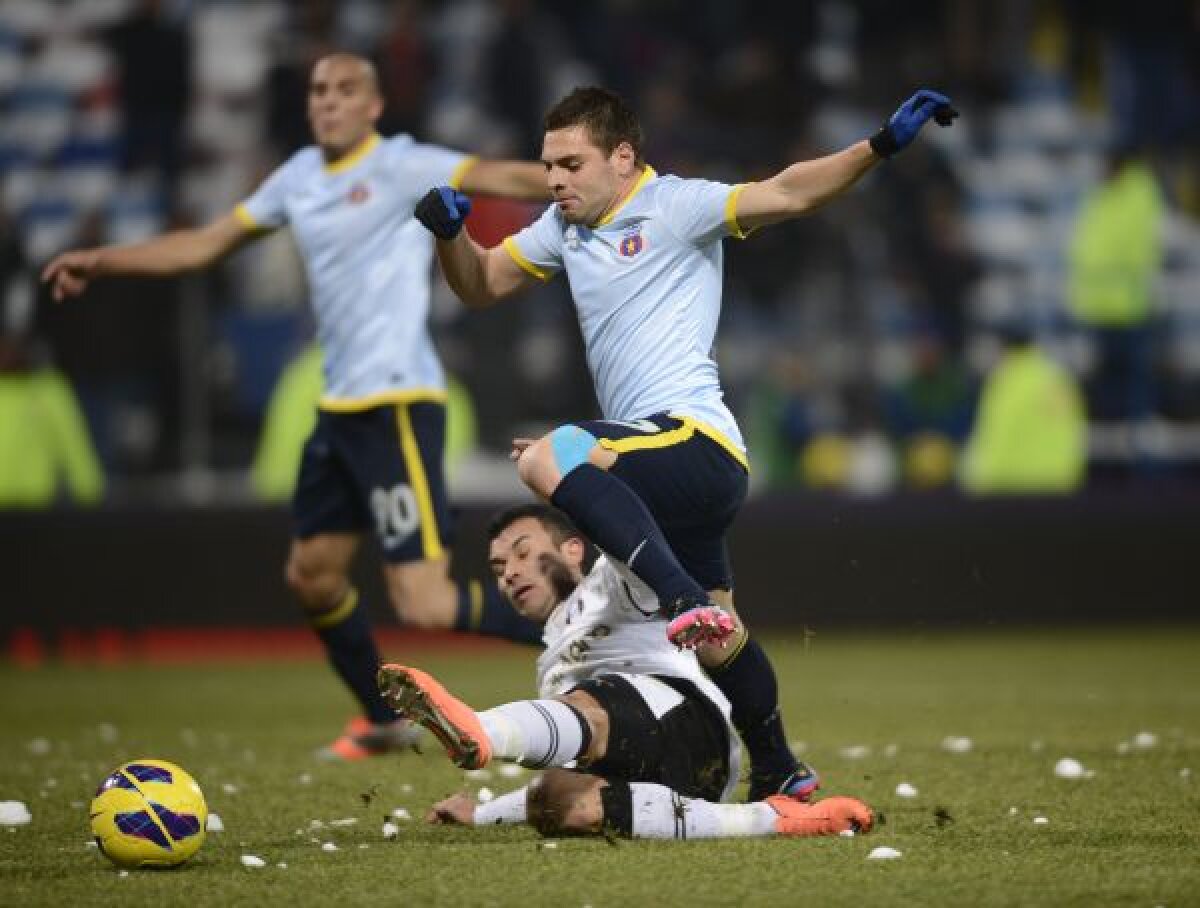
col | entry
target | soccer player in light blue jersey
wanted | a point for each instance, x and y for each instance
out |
(657, 482)
(374, 460)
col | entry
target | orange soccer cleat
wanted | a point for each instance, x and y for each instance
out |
(362, 739)
(419, 697)
(830, 816)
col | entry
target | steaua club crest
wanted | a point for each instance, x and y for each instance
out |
(358, 194)
(632, 244)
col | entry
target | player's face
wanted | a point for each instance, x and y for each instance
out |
(343, 104)
(533, 571)
(584, 180)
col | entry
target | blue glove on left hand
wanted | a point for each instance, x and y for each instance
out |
(443, 211)
(907, 121)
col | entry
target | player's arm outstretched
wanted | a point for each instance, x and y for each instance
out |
(807, 185)
(479, 276)
(163, 256)
(525, 180)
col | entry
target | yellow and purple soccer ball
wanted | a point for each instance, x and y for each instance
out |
(149, 813)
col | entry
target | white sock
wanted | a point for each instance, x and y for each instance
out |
(534, 733)
(507, 808)
(660, 813)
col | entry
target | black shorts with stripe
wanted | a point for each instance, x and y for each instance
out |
(686, 749)
(379, 468)
(690, 478)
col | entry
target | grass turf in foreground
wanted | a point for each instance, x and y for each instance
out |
(1127, 836)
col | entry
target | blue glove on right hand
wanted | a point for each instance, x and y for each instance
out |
(907, 121)
(443, 211)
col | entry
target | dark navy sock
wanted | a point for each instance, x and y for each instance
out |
(612, 516)
(346, 633)
(748, 681)
(482, 610)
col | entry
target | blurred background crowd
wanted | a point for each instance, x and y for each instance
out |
(1012, 304)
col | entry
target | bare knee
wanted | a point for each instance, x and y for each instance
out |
(562, 802)
(314, 583)
(537, 469)
(596, 717)
(422, 594)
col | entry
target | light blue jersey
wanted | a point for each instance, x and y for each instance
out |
(368, 262)
(646, 282)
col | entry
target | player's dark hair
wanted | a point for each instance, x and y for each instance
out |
(609, 120)
(557, 524)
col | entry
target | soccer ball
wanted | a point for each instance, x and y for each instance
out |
(149, 813)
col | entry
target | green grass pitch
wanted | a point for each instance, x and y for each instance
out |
(1128, 835)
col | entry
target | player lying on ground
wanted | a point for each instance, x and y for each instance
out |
(635, 740)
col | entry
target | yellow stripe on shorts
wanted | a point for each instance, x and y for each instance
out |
(431, 542)
(687, 428)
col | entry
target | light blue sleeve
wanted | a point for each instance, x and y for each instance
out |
(538, 248)
(700, 211)
(428, 166)
(266, 208)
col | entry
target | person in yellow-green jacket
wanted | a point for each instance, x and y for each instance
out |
(1030, 433)
(1114, 258)
(46, 453)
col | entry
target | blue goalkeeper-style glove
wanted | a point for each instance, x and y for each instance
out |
(908, 119)
(443, 211)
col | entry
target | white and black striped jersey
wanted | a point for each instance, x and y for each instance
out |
(610, 624)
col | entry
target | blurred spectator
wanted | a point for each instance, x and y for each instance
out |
(311, 35)
(153, 51)
(121, 351)
(45, 451)
(896, 44)
(1146, 47)
(930, 257)
(678, 134)
(761, 94)
(514, 73)
(1030, 435)
(405, 69)
(983, 46)
(780, 422)
(928, 414)
(1144, 61)
(1115, 256)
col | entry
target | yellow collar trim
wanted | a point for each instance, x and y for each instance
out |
(354, 155)
(648, 174)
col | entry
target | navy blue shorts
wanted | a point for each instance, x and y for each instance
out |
(692, 484)
(379, 468)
